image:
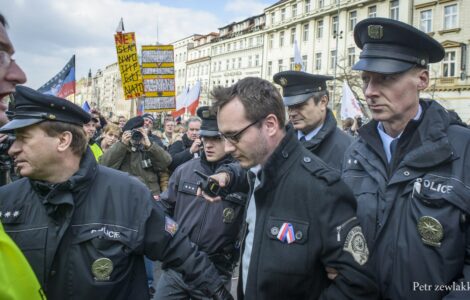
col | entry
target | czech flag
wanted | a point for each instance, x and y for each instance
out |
(62, 84)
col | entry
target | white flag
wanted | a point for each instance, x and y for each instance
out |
(349, 106)
(192, 99)
(120, 27)
(298, 63)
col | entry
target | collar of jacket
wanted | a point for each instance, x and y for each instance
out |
(329, 126)
(187, 142)
(81, 178)
(426, 142)
(282, 157)
(213, 166)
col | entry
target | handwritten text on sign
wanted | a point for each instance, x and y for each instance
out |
(129, 65)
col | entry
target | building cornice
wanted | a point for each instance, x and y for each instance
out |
(424, 5)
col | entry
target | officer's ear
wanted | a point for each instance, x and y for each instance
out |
(65, 139)
(323, 103)
(423, 78)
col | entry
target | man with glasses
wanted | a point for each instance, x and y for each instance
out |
(306, 97)
(214, 227)
(301, 217)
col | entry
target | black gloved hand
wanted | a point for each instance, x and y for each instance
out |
(222, 294)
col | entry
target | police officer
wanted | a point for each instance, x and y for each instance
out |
(85, 228)
(306, 97)
(300, 216)
(409, 169)
(213, 227)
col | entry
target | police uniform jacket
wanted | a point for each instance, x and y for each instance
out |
(330, 143)
(214, 227)
(120, 157)
(85, 238)
(415, 210)
(298, 188)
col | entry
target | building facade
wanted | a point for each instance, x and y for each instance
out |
(323, 31)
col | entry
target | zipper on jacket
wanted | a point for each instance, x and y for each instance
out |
(340, 227)
(203, 221)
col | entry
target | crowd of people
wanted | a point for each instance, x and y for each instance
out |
(261, 179)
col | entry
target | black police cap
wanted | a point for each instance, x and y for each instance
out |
(390, 46)
(209, 126)
(32, 107)
(298, 87)
(135, 122)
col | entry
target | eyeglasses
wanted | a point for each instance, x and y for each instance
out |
(5, 58)
(235, 137)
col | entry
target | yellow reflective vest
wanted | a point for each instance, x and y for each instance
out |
(17, 279)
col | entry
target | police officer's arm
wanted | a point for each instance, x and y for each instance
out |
(344, 247)
(237, 177)
(163, 241)
(114, 156)
(168, 197)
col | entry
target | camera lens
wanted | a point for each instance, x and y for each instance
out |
(136, 135)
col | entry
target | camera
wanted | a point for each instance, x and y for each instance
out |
(136, 136)
(210, 186)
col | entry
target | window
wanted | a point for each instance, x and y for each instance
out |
(260, 40)
(229, 46)
(426, 20)
(307, 6)
(214, 67)
(372, 11)
(242, 44)
(250, 42)
(450, 16)
(270, 68)
(318, 61)
(305, 37)
(394, 12)
(281, 39)
(292, 64)
(220, 66)
(273, 18)
(352, 20)
(227, 64)
(250, 62)
(321, 3)
(333, 59)
(279, 63)
(271, 40)
(334, 25)
(448, 64)
(304, 62)
(239, 62)
(233, 63)
(283, 14)
(319, 29)
(292, 36)
(256, 60)
(294, 10)
(351, 56)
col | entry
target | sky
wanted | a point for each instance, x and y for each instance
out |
(46, 33)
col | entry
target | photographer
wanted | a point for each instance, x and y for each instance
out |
(135, 154)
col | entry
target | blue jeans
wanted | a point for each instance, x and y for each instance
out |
(171, 286)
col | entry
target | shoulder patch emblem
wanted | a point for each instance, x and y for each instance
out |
(356, 245)
(170, 226)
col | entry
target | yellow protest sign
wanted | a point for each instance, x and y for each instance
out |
(129, 65)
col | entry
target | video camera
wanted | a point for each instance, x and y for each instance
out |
(210, 186)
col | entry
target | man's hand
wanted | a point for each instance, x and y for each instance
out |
(145, 140)
(222, 179)
(126, 137)
(222, 294)
(195, 146)
(331, 273)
